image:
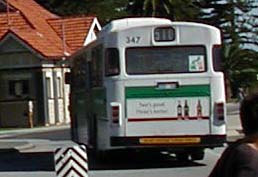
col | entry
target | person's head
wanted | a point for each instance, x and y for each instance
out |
(249, 114)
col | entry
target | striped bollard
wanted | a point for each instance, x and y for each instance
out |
(71, 161)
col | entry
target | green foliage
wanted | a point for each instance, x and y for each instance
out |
(104, 10)
(234, 18)
(108, 10)
(240, 66)
(237, 22)
(172, 9)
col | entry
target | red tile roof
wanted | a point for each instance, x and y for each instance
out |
(42, 30)
(75, 30)
(20, 22)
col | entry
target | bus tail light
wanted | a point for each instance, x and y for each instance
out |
(219, 110)
(115, 112)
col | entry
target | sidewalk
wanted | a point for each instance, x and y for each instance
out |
(14, 132)
(14, 145)
(9, 142)
(234, 133)
(234, 128)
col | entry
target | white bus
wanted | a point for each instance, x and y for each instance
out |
(150, 84)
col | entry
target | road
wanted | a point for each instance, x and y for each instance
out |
(39, 162)
(38, 159)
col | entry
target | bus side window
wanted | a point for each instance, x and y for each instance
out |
(216, 57)
(76, 73)
(112, 62)
(88, 75)
(96, 67)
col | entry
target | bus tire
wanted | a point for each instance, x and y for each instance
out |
(197, 155)
(103, 156)
(182, 156)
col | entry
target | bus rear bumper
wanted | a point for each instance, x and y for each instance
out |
(203, 141)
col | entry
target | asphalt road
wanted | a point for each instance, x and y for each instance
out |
(37, 160)
(28, 164)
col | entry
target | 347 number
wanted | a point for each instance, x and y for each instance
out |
(133, 39)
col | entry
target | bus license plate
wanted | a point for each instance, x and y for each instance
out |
(180, 140)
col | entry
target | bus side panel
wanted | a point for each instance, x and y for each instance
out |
(218, 126)
(80, 118)
(100, 115)
(115, 90)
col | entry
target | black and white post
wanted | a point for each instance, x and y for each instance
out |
(71, 161)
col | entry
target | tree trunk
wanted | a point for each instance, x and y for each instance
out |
(228, 89)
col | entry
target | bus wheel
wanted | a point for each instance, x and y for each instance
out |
(104, 156)
(197, 155)
(182, 156)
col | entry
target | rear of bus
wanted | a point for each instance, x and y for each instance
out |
(168, 93)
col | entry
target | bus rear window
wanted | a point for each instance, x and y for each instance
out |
(162, 60)
(216, 56)
(112, 62)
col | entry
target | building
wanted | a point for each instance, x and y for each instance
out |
(34, 44)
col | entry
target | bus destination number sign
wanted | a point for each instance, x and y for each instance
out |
(164, 34)
(133, 39)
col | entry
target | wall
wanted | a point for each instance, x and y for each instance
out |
(24, 76)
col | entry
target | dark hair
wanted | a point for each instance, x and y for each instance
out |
(249, 114)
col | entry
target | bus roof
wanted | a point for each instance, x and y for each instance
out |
(126, 23)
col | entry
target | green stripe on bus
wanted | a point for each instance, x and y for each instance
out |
(181, 91)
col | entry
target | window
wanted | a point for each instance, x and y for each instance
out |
(49, 87)
(216, 57)
(79, 72)
(59, 88)
(163, 60)
(96, 67)
(112, 62)
(88, 75)
(164, 34)
(18, 87)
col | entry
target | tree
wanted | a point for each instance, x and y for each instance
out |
(236, 20)
(238, 65)
(234, 17)
(175, 10)
(65, 7)
(104, 10)
(108, 10)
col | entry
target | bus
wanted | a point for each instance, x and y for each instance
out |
(150, 84)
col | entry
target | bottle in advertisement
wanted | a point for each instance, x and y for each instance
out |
(186, 109)
(199, 109)
(179, 109)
